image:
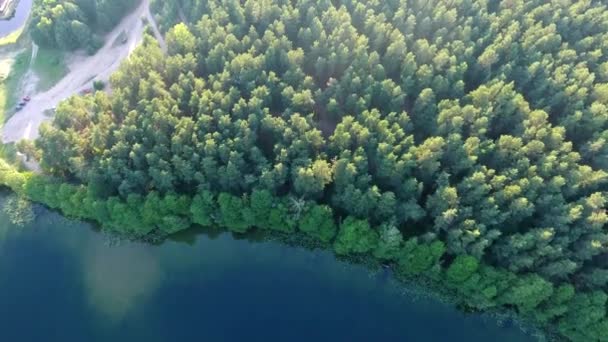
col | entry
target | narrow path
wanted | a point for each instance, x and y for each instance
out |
(82, 72)
(34, 53)
(157, 34)
(181, 14)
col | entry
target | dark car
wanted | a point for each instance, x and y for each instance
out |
(27, 99)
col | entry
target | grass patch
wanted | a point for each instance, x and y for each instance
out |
(11, 73)
(50, 67)
(8, 152)
(12, 38)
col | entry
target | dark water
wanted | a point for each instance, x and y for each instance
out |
(61, 281)
(23, 11)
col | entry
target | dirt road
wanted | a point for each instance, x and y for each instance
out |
(154, 26)
(82, 72)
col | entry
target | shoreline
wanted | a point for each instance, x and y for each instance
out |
(429, 282)
(422, 286)
(365, 287)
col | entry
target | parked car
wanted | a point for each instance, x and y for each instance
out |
(123, 37)
(27, 99)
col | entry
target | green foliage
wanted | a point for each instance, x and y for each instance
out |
(99, 85)
(203, 209)
(28, 149)
(527, 292)
(311, 181)
(63, 200)
(234, 213)
(72, 24)
(461, 269)
(34, 188)
(180, 40)
(318, 222)
(125, 218)
(417, 258)
(389, 244)
(11, 177)
(169, 214)
(556, 305)
(586, 318)
(262, 204)
(280, 218)
(355, 237)
(481, 289)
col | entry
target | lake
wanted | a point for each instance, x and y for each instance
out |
(60, 280)
(21, 13)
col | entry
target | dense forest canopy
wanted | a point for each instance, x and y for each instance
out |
(74, 24)
(471, 134)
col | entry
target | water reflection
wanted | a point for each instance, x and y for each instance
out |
(119, 278)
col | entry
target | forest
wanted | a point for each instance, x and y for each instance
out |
(463, 141)
(75, 24)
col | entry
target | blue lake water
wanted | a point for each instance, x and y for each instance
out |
(61, 280)
(22, 12)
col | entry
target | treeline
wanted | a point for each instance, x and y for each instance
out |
(75, 24)
(479, 126)
(476, 286)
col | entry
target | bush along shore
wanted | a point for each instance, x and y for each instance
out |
(470, 284)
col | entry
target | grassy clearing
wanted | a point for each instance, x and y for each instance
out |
(50, 67)
(12, 70)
